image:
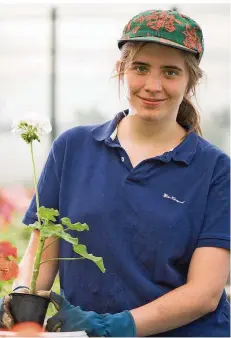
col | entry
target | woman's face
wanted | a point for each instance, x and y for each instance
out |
(156, 82)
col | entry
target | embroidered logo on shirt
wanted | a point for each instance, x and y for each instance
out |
(173, 198)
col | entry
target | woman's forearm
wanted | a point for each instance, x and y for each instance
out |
(47, 271)
(27, 262)
(176, 308)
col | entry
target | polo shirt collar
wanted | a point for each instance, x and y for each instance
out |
(184, 152)
(104, 131)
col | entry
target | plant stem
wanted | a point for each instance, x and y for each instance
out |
(37, 264)
(54, 240)
(59, 259)
(35, 181)
(50, 244)
(41, 239)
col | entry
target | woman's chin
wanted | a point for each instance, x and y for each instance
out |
(149, 116)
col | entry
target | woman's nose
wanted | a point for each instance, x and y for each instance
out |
(153, 84)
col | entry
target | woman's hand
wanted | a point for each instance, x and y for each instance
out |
(71, 318)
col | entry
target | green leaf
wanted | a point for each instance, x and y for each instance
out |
(68, 238)
(57, 230)
(35, 226)
(75, 226)
(82, 251)
(51, 230)
(48, 214)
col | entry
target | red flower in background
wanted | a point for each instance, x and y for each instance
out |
(8, 269)
(27, 329)
(12, 200)
(7, 249)
(8, 266)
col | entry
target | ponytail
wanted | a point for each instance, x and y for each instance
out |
(189, 116)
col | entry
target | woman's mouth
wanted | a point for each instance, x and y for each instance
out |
(151, 102)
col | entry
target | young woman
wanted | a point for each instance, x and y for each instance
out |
(155, 195)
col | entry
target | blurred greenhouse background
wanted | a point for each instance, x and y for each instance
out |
(57, 61)
(86, 52)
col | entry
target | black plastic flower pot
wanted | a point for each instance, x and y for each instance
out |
(28, 308)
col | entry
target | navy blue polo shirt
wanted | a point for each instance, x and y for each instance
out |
(145, 221)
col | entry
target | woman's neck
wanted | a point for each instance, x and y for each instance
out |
(159, 133)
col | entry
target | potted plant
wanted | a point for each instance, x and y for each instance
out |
(32, 307)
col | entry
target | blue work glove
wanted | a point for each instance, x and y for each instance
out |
(71, 318)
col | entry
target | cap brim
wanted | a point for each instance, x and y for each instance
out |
(156, 40)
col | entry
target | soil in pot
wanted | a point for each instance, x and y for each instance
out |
(28, 308)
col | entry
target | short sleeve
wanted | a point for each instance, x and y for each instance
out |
(216, 226)
(48, 184)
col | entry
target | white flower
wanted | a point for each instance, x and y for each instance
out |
(42, 125)
(31, 127)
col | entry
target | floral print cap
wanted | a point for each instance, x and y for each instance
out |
(166, 27)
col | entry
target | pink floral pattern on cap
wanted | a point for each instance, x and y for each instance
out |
(192, 41)
(174, 28)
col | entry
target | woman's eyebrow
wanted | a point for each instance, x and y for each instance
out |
(140, 63)
(172, 67)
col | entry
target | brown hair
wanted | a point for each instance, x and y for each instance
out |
(187, 114)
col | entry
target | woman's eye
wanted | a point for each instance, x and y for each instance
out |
(171, 73)
(141, 69)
